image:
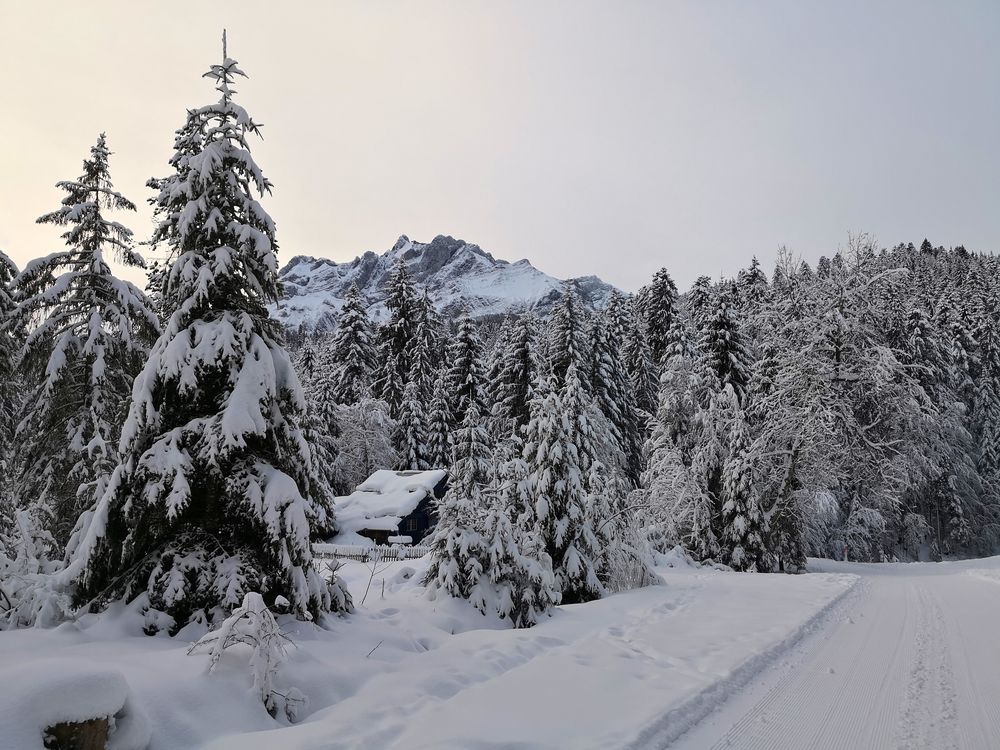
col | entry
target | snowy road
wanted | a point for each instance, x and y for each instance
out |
(908, 659)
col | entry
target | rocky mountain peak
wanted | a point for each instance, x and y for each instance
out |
(460, 278)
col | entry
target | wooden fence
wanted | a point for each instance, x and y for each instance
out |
(367, 554)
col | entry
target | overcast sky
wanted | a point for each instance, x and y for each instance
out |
(606, 138)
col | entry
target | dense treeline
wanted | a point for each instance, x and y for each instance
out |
(847, 409)
(163, 448)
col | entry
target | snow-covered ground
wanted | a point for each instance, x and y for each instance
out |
(908, 659)
(407, 672)
(850, 656)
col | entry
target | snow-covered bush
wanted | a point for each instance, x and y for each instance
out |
(517, 583)
(253, 625)
(30, 595)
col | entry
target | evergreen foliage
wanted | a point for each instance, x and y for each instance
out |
(558, 452)
(659, 301)
(352, 351)
(567, 337)
(515, 371)
(464, 379)
(90, 336)
(411, 431)
(439, 419)
(214, 496)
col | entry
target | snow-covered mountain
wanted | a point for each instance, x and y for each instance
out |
(460, 278)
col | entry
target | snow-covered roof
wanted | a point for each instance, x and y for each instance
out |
(384, 499)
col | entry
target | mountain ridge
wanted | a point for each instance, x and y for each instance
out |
(459, 277)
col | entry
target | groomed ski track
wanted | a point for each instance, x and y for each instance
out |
(908, 659)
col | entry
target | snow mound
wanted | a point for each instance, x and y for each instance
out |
(985, 574)
(55, 691)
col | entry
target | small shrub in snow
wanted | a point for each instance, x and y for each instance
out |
(252, 624)
(479, 554)
(29, 594)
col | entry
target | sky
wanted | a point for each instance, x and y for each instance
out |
(607, 138)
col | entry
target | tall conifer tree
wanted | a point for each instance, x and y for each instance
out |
(352, 351)
(214, 495)
(92, 336)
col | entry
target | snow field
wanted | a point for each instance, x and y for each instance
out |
(906, 661)
(408, 672)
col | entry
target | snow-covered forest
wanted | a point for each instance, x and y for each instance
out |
(849, 408)
(177, 444)
(175, 450)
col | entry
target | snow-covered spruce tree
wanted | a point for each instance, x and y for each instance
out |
(308, 360)
(946, 482)
(986, 411)
(464, 378)
(396, 339)
(517, 583)
(9, 389)
(439, 446)
(659, 303)
(742, 523)
(389, 385)
(496, 336)
(472, 465)
(679, 340)
(213, 497)
(612, 393)
(567, 338)
(557, 458)
(156, 272)
(321, 429)
(422, 368)
(700, 302)
(91, 335)
(723, 346)
(457, 546)
(515, 373)
(963, 347)
(352, 351)
(752, 285)
(479, 554)
(642, 374)
(411, 431)
(618, 315)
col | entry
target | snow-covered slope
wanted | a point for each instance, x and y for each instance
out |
(460, 279)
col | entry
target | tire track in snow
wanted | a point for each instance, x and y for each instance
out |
(929, 716)
(675, 723)
(908, 661)
(842, 689)
(791, 716)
